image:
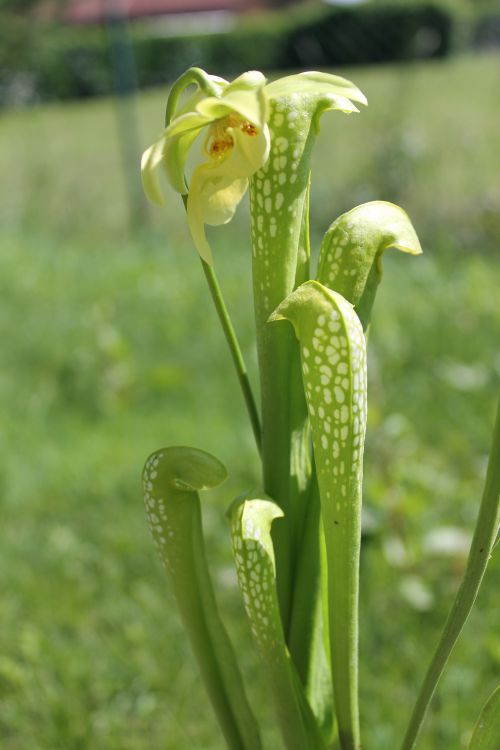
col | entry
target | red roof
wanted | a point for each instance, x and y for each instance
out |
(95, 11)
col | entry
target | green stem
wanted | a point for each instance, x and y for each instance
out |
(280, 259)
(337, 413)
(480, 551)
(306, 587)
(232, 341)
(234, 347)
(307, 637)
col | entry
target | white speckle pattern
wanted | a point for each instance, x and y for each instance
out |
(337, 409)
(277, 196)
(255, 566)
(173, 512)
(354, 244)
(157, 512)
(335, 386)
(336, 244)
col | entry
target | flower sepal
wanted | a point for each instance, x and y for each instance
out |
(233, 118)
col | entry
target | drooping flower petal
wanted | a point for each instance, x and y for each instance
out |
(187, 122)
(218, 193)
(212, 199)
(176, 151)
(237, 144)
(249, 153)
(217, 187)
(249, 81)
(169, 153)
(150, 163)
(238, 139)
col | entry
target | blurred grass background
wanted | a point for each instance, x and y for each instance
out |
(110, 349)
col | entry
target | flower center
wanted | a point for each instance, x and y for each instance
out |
(219, 141)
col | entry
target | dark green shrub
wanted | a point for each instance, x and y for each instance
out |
(372, 34)
(486, 33)
(73, 64)
(61, 63)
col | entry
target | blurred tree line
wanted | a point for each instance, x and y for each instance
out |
(16, 6)
(41, 61)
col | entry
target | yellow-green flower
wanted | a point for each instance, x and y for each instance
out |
(233, 118)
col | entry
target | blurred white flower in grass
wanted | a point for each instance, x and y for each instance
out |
(447, 541)
(416, 593)
(463, 376)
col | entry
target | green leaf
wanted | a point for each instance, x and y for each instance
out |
(486, 734)
(350, 260)
(315, 83)
(213, 199)
(151, 161)
(279, 199)
(255, 564)
(233, 118)
(168, 156)
(334, 373)
(307, 636)
(172, 478)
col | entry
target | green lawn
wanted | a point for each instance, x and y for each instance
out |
(110, 349)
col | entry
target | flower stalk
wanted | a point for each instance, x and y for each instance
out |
(234, 348)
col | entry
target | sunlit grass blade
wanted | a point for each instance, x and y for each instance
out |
(350, 260)
(334, 373)
(486, 735)
(255, 565)
(481, 549)
(172, 479)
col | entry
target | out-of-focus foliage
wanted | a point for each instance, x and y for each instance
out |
(47, 63)
(16, 6)
(108, 351)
